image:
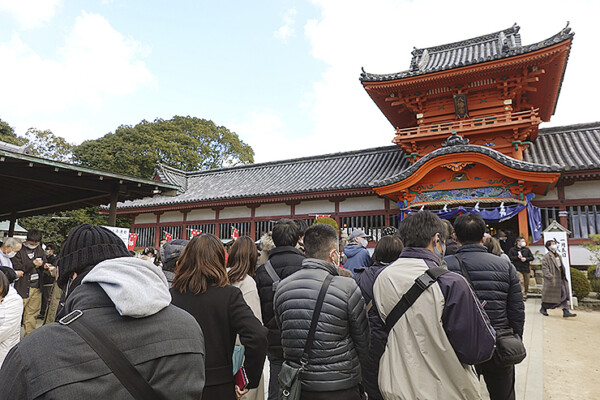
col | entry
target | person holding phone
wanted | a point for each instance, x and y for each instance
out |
(31, 259)
(521, 257)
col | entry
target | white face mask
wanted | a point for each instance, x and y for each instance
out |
(12, 254)
(30, 246)
(522, 244)
(553, 247)
(363, 242)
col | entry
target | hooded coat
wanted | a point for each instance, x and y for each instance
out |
(357, 257)
(128, 300)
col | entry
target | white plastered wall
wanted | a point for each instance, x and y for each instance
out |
(147, 218)
(201, 214)
(235, 212)
(171, 216)
(583, 190)
(370, 203)
(315, 207)
(269, 210)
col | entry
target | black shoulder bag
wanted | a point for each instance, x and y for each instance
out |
(114, 358)
(289, 377)
(421, 284)
(510, 349)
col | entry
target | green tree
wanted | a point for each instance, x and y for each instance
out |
(55, 227)
(186, 143)
(47, 145)
(8, 135)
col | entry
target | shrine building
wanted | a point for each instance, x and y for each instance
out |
(465, 123)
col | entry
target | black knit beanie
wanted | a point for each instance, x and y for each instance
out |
(87, 245)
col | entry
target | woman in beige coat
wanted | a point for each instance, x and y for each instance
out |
(241, 267)
(556, 290)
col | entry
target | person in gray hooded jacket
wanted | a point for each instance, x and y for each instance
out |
(342, 336)
(128, 300)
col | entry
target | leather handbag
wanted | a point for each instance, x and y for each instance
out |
(510, 349)
(290, 382)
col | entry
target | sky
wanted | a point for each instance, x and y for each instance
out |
(282, 74)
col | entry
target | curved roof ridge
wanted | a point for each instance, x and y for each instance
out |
(513, 30)
(511, 46)
(468, 148)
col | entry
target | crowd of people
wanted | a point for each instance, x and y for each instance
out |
(417, 319)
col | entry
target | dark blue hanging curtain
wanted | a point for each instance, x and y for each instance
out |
(497, 214)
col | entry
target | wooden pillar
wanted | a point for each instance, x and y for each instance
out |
(217, 223)
(523, 224)
(252, 220)
(184, 226)
(13, 222)
(158, 233)
(112, 209)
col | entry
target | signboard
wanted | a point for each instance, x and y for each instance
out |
(195, 232)
(563, 250)
(132, 240)
(122, 233)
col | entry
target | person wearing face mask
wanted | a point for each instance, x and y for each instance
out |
(521, 257)
(496, 285)
(31, 259)
(555, 291)
(430, 349)
(341, 339)
(356, 251)
(8, 250)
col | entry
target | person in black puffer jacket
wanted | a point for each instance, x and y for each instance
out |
(285, 259)
(496, 284)
(341, 340)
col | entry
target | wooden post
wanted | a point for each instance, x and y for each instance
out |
(112, 210)
(11, 227)
(523, 224)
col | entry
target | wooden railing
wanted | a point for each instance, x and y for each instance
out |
(518, 118)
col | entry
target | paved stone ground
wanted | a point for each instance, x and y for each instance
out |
(529, 376)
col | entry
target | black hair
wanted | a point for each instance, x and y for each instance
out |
(286, 232)
(449, 227)
(549, 242)
(319, 239)
(517, 240)
(388, 249)
(34, 235)
(10, 273)
(469, 228)
(302, 226)
(416, 230)
(50, 246)
(4, 285)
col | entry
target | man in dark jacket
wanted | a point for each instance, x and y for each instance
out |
(31, 259)
(521, 257)
(431, 347)
(497, 286)
(285, 259)
(341, 340)
(127, 300)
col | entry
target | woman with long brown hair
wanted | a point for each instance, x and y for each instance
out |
(201, 287)
(241, 268)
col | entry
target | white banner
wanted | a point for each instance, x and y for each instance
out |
(122, 233)
(563, 250)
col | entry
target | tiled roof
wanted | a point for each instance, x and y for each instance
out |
(468, 148)
(340, 171)
(576, 147)
(494, 46)
(570, 148)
